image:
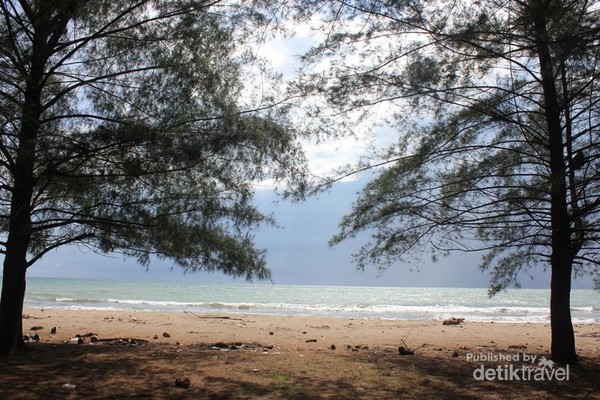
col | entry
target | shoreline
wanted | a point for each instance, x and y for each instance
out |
(245, 312)
(293, 331)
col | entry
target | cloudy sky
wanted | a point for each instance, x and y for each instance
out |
(298, 251)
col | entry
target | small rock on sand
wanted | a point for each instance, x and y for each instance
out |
(182, 383)
(166, 334)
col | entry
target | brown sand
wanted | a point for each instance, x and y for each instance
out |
(254, 356)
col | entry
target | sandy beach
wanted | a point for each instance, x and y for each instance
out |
(230, 356)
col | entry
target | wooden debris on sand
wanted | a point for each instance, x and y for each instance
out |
(453, 321)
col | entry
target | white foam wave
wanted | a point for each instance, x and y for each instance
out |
(388, 311)
(397, 303)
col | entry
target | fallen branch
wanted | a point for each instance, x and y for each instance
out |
(123, 340)
(213, 316)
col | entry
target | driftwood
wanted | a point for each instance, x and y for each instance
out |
(122, 340)
(453, 321)
(213, 316)
(404, 350)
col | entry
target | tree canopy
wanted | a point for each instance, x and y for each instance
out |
(144, 141)
(462, 83)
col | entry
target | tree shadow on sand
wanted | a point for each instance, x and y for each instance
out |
(448, 376)
(149, 371)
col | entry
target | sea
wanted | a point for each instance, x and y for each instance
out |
(473, 304)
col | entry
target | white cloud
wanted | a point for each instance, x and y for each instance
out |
(281, 54)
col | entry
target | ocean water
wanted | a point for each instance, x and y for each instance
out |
(517, 305)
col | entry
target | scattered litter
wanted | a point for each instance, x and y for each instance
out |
(518, 346)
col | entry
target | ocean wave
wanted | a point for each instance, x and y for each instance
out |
(525, 306)
(85, 308)
(385, 309)
(585, 309)
(184, 304)
(472, 316)
(435, 312)
(78, 301)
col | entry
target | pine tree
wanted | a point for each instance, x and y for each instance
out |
(496, 109)
(123, 130)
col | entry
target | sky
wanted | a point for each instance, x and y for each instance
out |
(298, 250)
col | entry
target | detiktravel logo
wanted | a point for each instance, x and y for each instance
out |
(530, 368)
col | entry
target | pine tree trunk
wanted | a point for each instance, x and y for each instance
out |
(11, 305)
(19, 227)
(17, 244)
(49, 23)
(15, 259)
(563, 336)
(561, 260)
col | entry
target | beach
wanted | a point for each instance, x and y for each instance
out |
(137, 354)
